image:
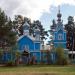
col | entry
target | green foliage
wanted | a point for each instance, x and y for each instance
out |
(6, 34)
(61, 58)
(10, 63)
(1, 53)
(19, 21)
(17, 54)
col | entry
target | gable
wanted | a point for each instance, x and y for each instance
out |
(60, 31)
(30, 37)
(25, 42)
(60, 35)
(25, 39)
(59, 26)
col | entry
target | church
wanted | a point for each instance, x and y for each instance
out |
(58, 32)
(58, 36)
(30, 46)
(28, 43)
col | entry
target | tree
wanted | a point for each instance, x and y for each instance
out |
(1, 54)
(43, 33)
(19, 21)
(48, 57)
(61, 58)
(7, 35)
(18, 24)
(70, 28)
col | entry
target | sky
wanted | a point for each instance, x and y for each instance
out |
(43, 10)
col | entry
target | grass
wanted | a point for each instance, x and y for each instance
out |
(38, 70)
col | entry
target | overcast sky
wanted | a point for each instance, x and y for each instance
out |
(43, 10)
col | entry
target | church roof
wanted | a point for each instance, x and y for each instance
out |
(59, 15)
(26, 24)
(37, 29)
(30, 37)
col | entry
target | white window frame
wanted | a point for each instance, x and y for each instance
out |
(60, 37)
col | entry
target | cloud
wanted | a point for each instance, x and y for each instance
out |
(31, 8)
(9, 6)
(59, 2)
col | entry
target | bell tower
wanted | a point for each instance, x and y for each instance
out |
(26, 27)
(59, 25)
(59, 15)
(37, 33)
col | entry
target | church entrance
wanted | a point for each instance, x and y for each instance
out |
(25, 57)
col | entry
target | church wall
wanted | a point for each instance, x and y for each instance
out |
(65, 36)
(60, 44)
(26, 42)
(37, 46)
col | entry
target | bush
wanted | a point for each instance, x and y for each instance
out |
(10, 63)
(65, 61)
(61, 57)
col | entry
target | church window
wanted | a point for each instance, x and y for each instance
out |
(60, 37)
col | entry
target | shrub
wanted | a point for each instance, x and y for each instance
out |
(61, 57)
(10, 63)
(65, 61)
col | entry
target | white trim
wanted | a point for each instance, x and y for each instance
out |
(30, 37)
(20, 37)
(70, 52)
(26, 24)
(60, 36)
(66, 49)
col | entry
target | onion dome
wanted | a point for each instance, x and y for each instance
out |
(59, 15)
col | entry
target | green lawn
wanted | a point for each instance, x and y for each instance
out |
(39, 70)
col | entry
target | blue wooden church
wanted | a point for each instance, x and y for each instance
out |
(28, 43)
(30, 46)
(59, 36)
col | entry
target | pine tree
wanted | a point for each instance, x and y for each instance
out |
(7, 36)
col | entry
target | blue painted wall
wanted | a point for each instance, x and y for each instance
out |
(61, 42)
(37, 46)
(33, 47)
(25, 41)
